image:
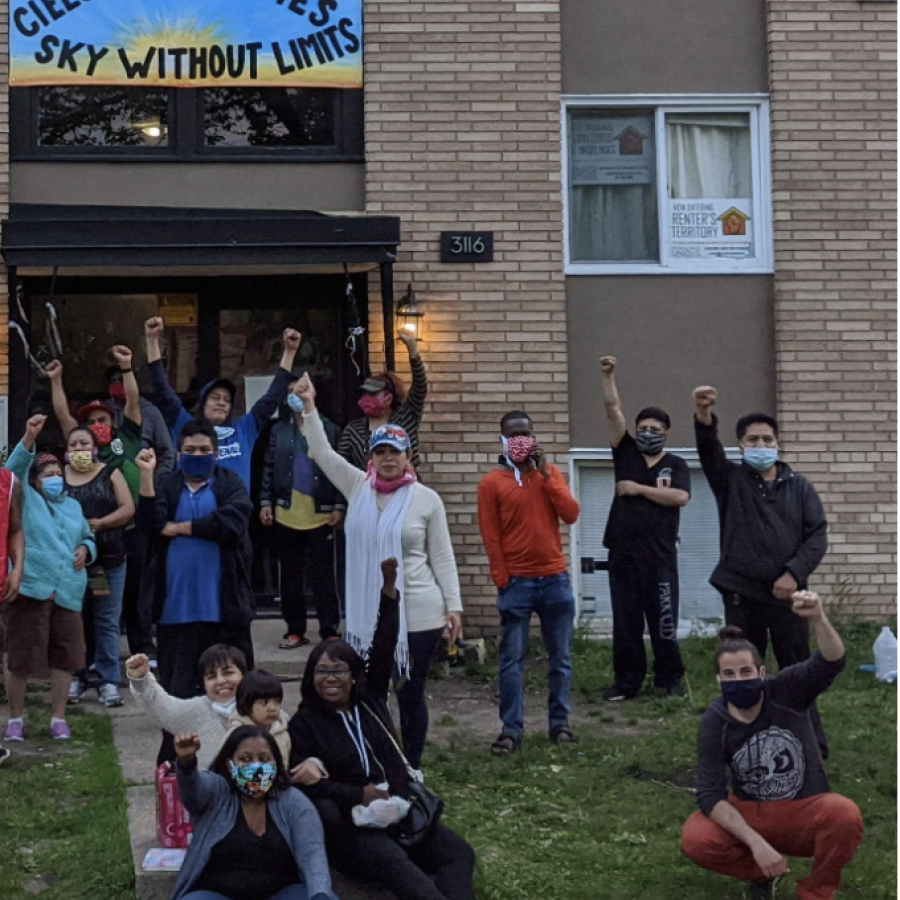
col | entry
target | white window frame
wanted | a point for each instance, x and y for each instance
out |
(604, 456)
(757, 105)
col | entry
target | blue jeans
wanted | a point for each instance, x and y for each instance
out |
(293, 892)
(101, 627)
(552, 599)
(411, 697)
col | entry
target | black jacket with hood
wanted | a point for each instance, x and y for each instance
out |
(764, 530)
(775, 757)
(227, 526)
(285, 442)
(319, 731)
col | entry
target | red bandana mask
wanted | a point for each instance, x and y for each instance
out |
(374, 407)
(519, 448)
(103, 434)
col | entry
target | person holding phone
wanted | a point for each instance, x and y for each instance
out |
(642, 538)
(520, 504)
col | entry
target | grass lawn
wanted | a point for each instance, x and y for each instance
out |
(63, 828)
(601, 821)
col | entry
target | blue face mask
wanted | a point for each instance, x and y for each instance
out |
(295, 403)
(53, 487)
(742, 694)
(200, 466)
(760, 458)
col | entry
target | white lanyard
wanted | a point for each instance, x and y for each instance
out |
(359, 739)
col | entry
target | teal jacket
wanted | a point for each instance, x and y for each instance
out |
(54, 529)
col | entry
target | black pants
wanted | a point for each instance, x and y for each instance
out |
(789, 634)
(411, 697)
(180, 647)
(138, 626)
(440, 868)
(307, 555)
(644, 589)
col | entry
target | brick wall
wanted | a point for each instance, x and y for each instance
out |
(462, 132)
(833, 83)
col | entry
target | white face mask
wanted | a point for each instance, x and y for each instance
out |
(225, 709)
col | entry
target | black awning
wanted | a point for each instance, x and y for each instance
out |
(65, 236)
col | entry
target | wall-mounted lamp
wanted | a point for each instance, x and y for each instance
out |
(409, 315)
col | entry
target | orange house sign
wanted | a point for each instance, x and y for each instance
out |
(631, 142)
(734, 222)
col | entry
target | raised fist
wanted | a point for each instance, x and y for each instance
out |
(153, 328)
(305, 389)
(146, 460)
(122, 355)
(408, 339)
(607, 364)
(705, 396)
(54, 370)
(186, 746)
(292, 339)
(137, 666)
(34, 426)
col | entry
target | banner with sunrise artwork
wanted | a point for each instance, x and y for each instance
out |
(187, 43)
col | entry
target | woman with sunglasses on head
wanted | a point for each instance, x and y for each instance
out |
(389, 514)
(346, 757)
(254, 838)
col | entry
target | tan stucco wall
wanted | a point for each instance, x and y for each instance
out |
(667, 46)
(669, 333)
(325, 187)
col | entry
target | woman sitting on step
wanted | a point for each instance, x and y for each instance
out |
(254, 837)
(344, 722)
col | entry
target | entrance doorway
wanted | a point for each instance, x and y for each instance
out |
(215, 326)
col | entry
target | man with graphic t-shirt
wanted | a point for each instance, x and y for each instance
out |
(780, 804)
(641, 536)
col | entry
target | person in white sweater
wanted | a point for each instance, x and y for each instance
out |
(389, 514)
(223, 669)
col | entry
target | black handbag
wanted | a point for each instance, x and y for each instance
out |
(425, 807)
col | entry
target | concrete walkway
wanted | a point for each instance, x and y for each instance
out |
(137, 739)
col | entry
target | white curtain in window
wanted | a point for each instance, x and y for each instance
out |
(709, 155)
(614, 222)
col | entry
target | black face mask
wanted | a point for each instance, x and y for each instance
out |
(743, 694)
(649, 442)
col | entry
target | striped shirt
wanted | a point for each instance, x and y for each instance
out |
(354, 445)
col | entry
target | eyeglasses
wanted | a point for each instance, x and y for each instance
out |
(325, 673)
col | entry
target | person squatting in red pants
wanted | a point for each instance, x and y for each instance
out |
(780, 803)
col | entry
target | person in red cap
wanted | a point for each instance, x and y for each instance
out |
(117, 447)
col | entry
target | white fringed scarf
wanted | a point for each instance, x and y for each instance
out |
(373, 535)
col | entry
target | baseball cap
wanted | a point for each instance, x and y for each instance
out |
(86, 410)
(374, 385)
(391, 435)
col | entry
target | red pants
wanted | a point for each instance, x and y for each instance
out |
(827, 827)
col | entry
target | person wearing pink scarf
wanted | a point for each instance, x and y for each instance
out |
(389, 513)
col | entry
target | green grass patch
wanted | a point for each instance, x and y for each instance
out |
(603, 818)
(63, 825)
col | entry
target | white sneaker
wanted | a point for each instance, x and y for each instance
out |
(110, 696)
(4, 754)
(76, 691)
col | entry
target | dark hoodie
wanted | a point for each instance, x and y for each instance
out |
(236, 438)
(765, 529)
(775, 757)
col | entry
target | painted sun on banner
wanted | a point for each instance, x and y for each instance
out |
(187, 43)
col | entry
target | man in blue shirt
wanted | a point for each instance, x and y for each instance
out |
(198, 567)
(235, 438)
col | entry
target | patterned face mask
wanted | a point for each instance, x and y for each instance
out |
(519, 448)
(374, 406)
(103, 434)
(81, 460)
(253, 779)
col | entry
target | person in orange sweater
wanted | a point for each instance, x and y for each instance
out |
(520, 504)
